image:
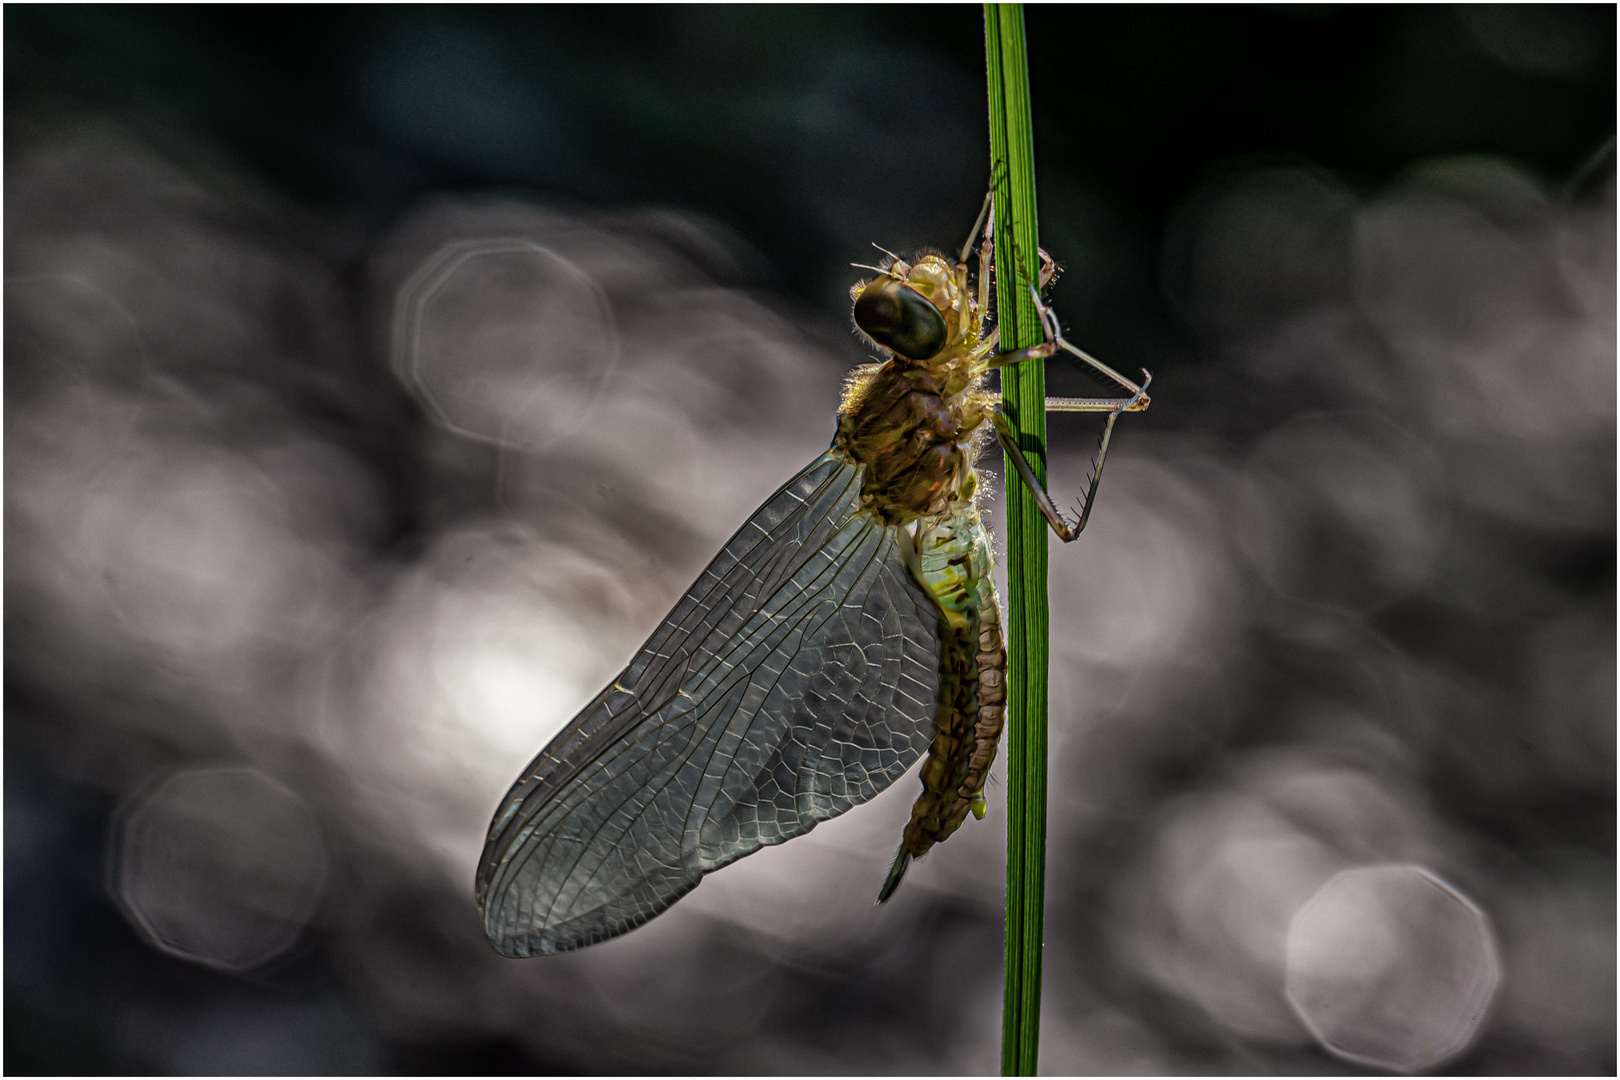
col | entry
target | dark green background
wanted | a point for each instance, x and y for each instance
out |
(682, 105)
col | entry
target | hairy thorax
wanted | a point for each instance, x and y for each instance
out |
(915, 428)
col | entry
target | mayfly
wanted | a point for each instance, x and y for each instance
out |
(849, 625)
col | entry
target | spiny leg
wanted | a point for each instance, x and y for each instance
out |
(1049, 269)
(1054, 336)
(987, 218)
(1005, 435)
(1055, 341)
(1052, 330)
(1135, 403)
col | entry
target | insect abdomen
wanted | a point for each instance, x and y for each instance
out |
(954, 564)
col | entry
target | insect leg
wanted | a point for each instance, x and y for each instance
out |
(1054, 335)
(1135, 403)
(1055, 340)
(1043, 500)
(1049, 267)
(1048, 272)
(978, 226)
(973, 315)
(1018, 356)
(986, 252)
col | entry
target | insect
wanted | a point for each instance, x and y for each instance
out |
(849, 626)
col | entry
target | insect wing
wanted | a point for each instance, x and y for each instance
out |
(798, 677)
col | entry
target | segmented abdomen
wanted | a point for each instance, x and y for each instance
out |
(954, 563)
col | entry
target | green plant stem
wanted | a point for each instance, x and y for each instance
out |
(1023, 389)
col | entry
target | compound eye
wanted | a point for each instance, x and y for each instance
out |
(900, 318)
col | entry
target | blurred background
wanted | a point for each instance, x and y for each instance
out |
(376, 378)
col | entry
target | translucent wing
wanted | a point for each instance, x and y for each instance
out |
(797, 678)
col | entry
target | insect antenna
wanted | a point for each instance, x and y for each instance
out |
(886, 251)
(863, 266)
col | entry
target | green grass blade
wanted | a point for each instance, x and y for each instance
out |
(1024, 393)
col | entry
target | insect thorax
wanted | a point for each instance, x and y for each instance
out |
(915, 428)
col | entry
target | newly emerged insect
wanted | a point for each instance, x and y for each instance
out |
(850, 625)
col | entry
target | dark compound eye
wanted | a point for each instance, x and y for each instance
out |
(900, 318)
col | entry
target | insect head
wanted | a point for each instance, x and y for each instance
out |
(905, 310)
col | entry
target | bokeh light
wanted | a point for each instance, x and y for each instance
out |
(1392, 967)
(222, 866)
(505, 340)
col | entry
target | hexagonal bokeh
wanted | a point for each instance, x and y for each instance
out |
(222, 866)
(1390, 966)
(504, 340)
